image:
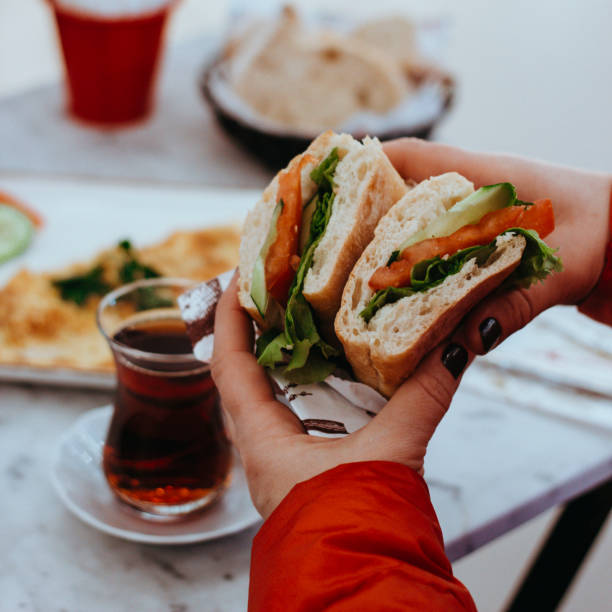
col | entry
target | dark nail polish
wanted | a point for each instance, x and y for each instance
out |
(490, 332)
(455, 359)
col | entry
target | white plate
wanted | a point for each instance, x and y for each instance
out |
(58, 377)
(83, 217)
(76, 474)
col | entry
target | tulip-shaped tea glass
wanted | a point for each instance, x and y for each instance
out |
(166, 452)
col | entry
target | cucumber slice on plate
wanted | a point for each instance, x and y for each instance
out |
(15, 232)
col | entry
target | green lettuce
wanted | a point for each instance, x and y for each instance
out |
(537, 262)
(427, 274)
(306, 357)
(432, 272)
(382, 298)
(323, 174)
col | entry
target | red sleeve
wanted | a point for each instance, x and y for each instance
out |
(598, 305)
(363, 536)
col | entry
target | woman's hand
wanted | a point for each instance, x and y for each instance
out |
(581, 203)
(275, 450)
(278, 454)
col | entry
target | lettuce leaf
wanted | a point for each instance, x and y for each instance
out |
(269, 347)
(323, 174)
(383, 297)
(306, 357)
(427, 274)
(432, 272)
(537, 262)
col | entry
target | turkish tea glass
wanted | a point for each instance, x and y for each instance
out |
(166, 452)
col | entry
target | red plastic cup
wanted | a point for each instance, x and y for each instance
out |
(111, 62)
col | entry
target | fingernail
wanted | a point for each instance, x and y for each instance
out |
(490, 332)
(454, 359)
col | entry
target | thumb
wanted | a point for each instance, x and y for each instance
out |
(501, 314)
(407, 422)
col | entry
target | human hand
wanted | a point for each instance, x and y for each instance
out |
(581, 204)
(275, 450)
(277, 453)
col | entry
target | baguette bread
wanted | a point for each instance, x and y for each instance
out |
(385, 351)
(309, 80)
(395, 35)
(365, 185)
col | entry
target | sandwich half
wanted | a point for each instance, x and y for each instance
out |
(300, 243)
(439, 251)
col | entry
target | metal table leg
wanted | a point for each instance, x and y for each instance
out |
(562, 553)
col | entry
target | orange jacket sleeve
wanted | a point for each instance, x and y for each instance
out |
(363, 536)
(598, 304)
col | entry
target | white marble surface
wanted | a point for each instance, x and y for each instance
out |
(50, 561)
(490, 467)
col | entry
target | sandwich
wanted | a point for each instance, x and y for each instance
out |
(300, 243)
(439, 251)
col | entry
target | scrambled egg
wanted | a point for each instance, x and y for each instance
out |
(38, 328)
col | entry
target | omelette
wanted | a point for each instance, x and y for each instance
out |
(44, 323)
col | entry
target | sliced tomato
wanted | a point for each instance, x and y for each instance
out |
(294, 261)
(13, 202)
(278, 268)
(538, 217)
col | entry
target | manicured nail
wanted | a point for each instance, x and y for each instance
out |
(490, 332)
(455, 359)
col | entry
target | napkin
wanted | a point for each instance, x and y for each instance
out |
(333, 408)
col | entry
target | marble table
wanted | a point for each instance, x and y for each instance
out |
(490, 467)
(51, 561)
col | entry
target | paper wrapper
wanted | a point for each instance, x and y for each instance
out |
(559, 365)
(333, 408)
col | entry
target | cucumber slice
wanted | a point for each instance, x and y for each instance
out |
(259, 293)
(468, 211)
(16, 232)
(258, 286)
(485, 200)
(307, 213)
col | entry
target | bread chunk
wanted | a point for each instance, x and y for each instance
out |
(385, 351)
(365, 185)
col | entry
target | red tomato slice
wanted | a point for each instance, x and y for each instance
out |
(538, 217)
(13, 202)
(278, 269)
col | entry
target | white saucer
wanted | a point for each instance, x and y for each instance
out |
(76, 474)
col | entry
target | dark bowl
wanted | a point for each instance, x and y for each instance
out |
(275, 146)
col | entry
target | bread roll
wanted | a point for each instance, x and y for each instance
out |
(385, 351)
(366, 186)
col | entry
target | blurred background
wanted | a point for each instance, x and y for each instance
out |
(530, 77)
